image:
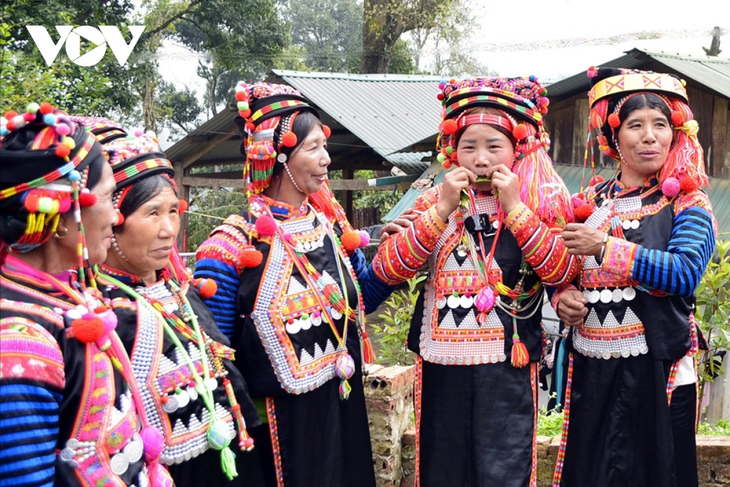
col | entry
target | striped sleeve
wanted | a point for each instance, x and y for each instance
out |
(679, 269)
(374, 291)
(542, 247)
(219, 259)
(31, 381)
(400, 257)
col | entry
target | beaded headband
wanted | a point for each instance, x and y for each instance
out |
(104, 129)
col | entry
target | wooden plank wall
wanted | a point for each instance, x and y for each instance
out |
(567, 124)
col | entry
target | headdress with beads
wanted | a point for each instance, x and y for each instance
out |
(522, 103)
(611, 88)
(104, 129)
(44, 157)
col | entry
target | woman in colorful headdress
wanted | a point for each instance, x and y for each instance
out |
(490, 235)
(71, 411)
(648, 235)
(191, 391)
(293, 290)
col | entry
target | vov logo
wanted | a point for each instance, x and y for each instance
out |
(103, 36)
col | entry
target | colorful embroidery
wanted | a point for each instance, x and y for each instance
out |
(275, 445)
(29, 352)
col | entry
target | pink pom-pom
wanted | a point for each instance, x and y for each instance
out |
(592, 72)
(138, 132)
(364, 238)
(670, 187)
(577, 201)
(64, 205)
(109, 318)
(265, 226)
(63, 129)
(153, 442)
(287, 236)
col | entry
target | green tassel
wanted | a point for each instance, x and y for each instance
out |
(228, 463)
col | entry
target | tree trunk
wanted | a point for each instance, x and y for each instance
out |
(148, 106)
(380, 31)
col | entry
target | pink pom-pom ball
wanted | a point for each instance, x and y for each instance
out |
(265, 225)
(670, 187)
(153, 441)
(63, 129)
(364, 238)
(288, 237)
(138, 132)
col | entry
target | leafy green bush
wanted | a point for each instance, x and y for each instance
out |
(722, 428)
(392, 333)
(549, 424)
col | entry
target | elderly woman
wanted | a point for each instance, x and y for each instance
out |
(71, 412)
(490, 235)
(192, 392)
(290, 277)
(648, 235)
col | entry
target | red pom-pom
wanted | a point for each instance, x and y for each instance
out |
(241, 96)
(265, 226)
(670, 187)
(614, 120)
(577, 201)
(520, 131)
(11, 125)
(46, 108)
(62, 150)
(10, 114)
(289, 139)
(595, 180)
(88, 329)
(87, 199)
(250, 126)
(206, 287)
(31, 203)
(592, 72)
(446, 164)
(677, 118)
(183, 206)
(440, 96)
(454, 156)
(583, 212)
(245, 113)
(449, 126)
(251, 258)
(350, 240)
(689, 184)
(29, 117)
(327, 131)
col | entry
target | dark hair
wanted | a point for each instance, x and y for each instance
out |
(638, 102)
(303, 125)
(142, 191)
(491, 111)
(14, 215)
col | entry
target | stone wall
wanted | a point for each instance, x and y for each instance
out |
(389, 399)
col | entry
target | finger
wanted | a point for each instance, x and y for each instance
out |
(574, 227)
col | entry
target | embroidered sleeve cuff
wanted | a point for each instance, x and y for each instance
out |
(430, 227)
(619, 257)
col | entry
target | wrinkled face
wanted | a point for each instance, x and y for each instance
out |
(482, 147)
(308, 164)
(644, 139)
(97, 219)
(148, 235)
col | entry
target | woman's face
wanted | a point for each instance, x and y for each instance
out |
(482, 147)
(643, 140)
(308, 164)
(98, 220)
(148, 235)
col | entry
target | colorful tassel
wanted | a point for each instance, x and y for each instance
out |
(520, 357)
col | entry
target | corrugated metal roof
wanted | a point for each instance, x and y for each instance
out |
(410, 162)
(388, 112)
(711, 72)
(719, 192)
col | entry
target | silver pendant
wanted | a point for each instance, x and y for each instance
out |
(466, 301)
(618, 295)
(211, 383)
(626, 224)
(441, 302)
(453, 301)
(336, 315)
(171, 405)
(594, 297)
(293, 328)
(317, 320)
(134, 449)
(67, 454)
(72, 443)
(495, 224)
(635, 224)
(183, 398)
(587, 295)
(119, 464)
(193, 393)
(629, 293)
(606, 296)
(305, 324)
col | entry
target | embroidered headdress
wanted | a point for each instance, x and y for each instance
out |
(611, 88)
(104, 129)
(521, 102)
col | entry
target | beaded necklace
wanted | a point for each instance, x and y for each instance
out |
(217, 435)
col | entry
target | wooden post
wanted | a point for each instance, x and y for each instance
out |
(580, 130)
(719, 133)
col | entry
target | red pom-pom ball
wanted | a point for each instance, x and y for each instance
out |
(87, 199)
(31, 203)
(29, 117)
(265, 226)
(577, 201)
(350, 240)
(10, 114)
(327, 131)
(46, 108)
(62, 150)
(689, 184)
(449, 127)
(520, 131)
(446, 164)
(614, 120)
(251, 258)
(206, 287)
(670, 187)
(289, 139)
(245, 113)
(440, 96)
(677, 118)
(241, 96)
(183, 206)
(583, 212)
(88, 329)
(595, 180)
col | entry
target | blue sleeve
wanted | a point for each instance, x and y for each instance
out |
(374, 291)
(679, 270)
(28, 435)
(223, 303)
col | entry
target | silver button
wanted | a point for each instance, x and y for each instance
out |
(119, 464)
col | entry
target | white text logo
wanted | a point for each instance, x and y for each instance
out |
(105, 34)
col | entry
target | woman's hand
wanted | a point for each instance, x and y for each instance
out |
(506, 183)
(454, 183)
(580, 239)
(571, 307)
(399, 224)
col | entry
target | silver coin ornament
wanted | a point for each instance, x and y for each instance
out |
(119, 463)
(618, 295)
(466, 301)
(317, 319)
(594, 297)
(171, 405)
(441, 303)
(67, 454)
(211, 383)
(629, 293)
(193, 393)
(606, 296)
(134, 449)
(635, 224)
(183, 398)
(452, 301)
